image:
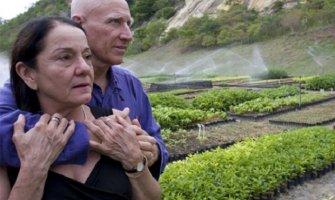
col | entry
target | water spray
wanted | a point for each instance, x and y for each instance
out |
(201, 131)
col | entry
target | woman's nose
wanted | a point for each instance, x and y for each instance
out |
(83, 66)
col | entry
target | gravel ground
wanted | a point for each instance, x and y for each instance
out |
(322, 188)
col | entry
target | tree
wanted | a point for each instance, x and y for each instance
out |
(315, 4)
(159, 4)
(277, 6)
(143, 9)
(208, 41)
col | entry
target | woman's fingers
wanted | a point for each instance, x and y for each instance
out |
(69, 130)
(55, 121)
(19, 125)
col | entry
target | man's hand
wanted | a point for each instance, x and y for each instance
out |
(148, 144)
(99, 141)
(116, 139)
(121, 113)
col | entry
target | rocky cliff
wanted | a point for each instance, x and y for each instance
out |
(197, 8)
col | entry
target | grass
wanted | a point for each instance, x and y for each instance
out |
(288, 52)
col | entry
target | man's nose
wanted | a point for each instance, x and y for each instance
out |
(126, 33)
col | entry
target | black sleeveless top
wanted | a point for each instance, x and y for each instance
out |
(106, 181)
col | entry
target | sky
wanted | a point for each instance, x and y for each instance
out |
(12, 8)
(8, 10)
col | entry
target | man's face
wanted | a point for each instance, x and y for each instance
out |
(108, 31)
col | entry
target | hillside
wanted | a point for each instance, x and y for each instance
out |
(197, 8)
(300, 53)
(304, 54)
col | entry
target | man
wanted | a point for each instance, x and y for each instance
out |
(107, 24)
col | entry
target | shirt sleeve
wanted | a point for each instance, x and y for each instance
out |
(149, 124)
(75, 152)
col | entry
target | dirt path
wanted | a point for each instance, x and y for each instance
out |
(322, 188)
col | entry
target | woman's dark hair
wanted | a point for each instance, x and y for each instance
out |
(30, 42)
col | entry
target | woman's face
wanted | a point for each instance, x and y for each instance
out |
(64, 74)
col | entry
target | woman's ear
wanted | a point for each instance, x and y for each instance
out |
(27, 74)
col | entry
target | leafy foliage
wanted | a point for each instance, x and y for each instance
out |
(325, 82)
(267, 105)
(282, 91)
(143, 10)
(168, 100)
(166, 12)
(147, 36)
(177, 118)
(240, 25)
(236, 25)
(272, 74)
(9, 29)
(221, 100)
(248, 168)
(172, 112)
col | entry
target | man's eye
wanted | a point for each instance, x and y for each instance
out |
(115, 21)
(130, 22)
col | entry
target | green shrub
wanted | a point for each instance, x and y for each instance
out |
(147, 36)
(166, 13)
(272, 74)
(282, 91)
(248, 168)
(167, 100)
(169, 36)
(325, 82)
(176, 118)
(221, 100)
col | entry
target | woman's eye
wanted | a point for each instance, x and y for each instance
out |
(88, 56)
(65, 57)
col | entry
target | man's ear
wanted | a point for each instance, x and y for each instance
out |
(27, 74)
(78, 19)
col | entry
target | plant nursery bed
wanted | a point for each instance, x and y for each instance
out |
(321, 114)
(184, 142)
(259, 116)
(222, 135)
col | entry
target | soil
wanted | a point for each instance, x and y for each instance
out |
(197, 140)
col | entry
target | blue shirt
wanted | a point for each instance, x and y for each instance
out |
(124, 90)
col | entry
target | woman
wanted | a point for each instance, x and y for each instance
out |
(51, 72)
